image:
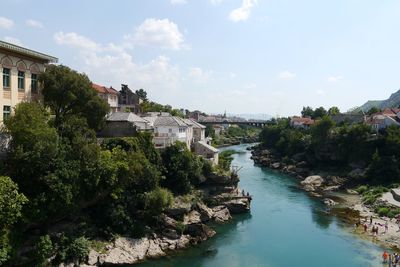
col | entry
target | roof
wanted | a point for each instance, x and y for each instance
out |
(27, 52)
(301, 120)
(188, 122)
(156, 114)
(125, 116)
(197, 125)
(211, 148)
(104, 90)
(392, 112)
(169, 121)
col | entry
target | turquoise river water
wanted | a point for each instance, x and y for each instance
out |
(286, 228)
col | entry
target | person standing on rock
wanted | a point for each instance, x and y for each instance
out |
(385, 256)
(365, 227)
(386, 226)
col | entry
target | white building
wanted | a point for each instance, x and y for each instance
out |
(20, 68)
(108, 94)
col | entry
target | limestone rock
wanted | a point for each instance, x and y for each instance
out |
(205, 212)
(221, 214)
(154, 249)
(93, 257)
(276, 165)
(192, 217)
(199, 230)
(311, 183)
(330, 202)
(127, 251)
(168, 222)
(238, 206)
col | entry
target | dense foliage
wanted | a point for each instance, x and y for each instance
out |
(328, 146)
(57, 176)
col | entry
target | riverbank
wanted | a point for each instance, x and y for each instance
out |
(185, 224)
(337, 193)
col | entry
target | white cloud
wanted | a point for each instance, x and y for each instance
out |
(335, 78)
(111, 64)
(157, 32)
(320, 92)
(34, 23)
(75, 40)
(286, 75)
(199, 75)
(178, 2)
(6, 23)
(243, 12)
(216, 2)
(13, 40)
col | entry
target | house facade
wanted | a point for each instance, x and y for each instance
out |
(20, 68)
(110, 95)
(124, 124)
(301, 122)
(384, 119)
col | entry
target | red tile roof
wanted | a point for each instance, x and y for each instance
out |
(301, 120)
(104, 90)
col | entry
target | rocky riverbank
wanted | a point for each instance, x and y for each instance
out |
(183, 225)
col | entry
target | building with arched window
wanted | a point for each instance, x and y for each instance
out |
(19, 69)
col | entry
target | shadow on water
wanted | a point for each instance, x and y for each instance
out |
(321, 217)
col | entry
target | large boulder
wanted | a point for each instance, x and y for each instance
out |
(205, 212)
(154, 250)
(93, 257)
(178, 209)
(127, 251)
(312, 183)
(221, 214)
(168, 222)
(192, 217)
(202, 231)
(236, 206)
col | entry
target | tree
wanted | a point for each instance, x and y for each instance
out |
(210, 132)
(307, 112)
(142, 94)
(11, 203)
(67, 92)
(333, 111)
(320, 130)
(157, 200)
(373, 110)
(319, 113)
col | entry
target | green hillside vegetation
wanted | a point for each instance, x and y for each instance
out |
(60, 189)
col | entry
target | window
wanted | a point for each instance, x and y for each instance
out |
(6, 112)
(34, 83)
(170, 130)
(21, 80)
(6, 78)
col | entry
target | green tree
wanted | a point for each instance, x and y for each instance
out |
(68, 92)
(319, 113)
(373, 110)
(210, 132)
(142, 94)
(11, 203)
(158, 200)
(307, 112)
(333, 111)
(43, 250)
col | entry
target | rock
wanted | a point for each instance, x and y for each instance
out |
(178, 209)
(168, 222)
(183, 242)
(332, 188)
(199, 230)
(127, 251)
(330, 202)
(238, 206)
(276, 165)
(221, 214)
(154, 250)
(302, 164)
(192, 217)
(93, 257)
(311, 183)
(170, 233)
(70, 264)
(205, 212)
(351, 192)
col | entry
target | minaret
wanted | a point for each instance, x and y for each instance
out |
(224, 114)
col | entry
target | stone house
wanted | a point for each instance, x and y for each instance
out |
(206, 151)
(20, 68)
(128, 100)
(124, 124)
(301, 122)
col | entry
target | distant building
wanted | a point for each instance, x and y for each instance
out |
(199, 131)
(301, 122)
(206, 151)
(110, 95)
(128, 100)
(20, 68)
(349, 118)
(385, 118)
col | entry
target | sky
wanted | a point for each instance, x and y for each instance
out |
(242, 56)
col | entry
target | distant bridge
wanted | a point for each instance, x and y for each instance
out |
(255, 123)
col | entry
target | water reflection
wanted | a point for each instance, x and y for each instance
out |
(321, 217)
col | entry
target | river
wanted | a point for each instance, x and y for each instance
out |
(286, 228)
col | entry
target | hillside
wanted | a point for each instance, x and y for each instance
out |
(391, 102)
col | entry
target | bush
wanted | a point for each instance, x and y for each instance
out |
(383, 211)
(362, 189)
(157, 200)
(78, 249)
(43, 250)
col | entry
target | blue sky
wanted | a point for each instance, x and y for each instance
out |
(245, 56)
